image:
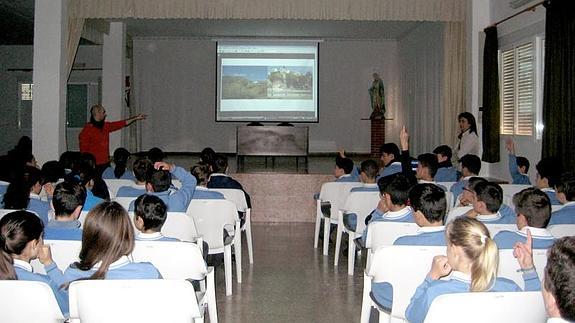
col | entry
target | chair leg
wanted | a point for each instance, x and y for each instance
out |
(350, 254)
(228, 269)
(248, 226)
(211, 296)
(366, 300)
(317, 224)
(338, 243)
(238, 252)
(326, 227)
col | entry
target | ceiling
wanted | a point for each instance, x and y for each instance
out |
(17, 26)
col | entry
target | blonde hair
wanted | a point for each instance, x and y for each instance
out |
(473, 237)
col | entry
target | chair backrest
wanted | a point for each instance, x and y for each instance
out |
(124, 201)
(509, 268)
(336, 193)
(495, 228)
(362, 204)
(115, 184)
(153, 300)
(562, 230)
(405, 268)
(210, 217)
(526, 307)
(28, 301)
(82, 218)
(181, 226)
(447, 185)
(555, 208)
(234, 195)
(64, 253)
(174, 259)
(509, 190)
(456, 212)
(3, 212)
(383, 234)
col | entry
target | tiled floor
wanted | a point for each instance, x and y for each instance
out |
(290, 281)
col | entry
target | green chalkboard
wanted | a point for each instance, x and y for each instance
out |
(77, 105)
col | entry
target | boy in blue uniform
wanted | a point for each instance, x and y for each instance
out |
(470, 167)
(445, 170)
(566, 195)
(142, 167)
(429, 206)
(518, 166)
(487, 202)
(389, 158)
(149, 217)
(220, 179)
(67, 202)
(369, 170)
(533, 212)
(548, 176)
(201, 171)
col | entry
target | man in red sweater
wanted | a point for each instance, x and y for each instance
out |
(95, 136)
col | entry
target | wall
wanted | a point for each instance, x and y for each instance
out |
(179, 94)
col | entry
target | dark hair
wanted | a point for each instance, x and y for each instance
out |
(207, 155)
(560, 276)
(472, 163)
(82, 174)
(160, 180)
(67, 197)
(397, 186)
(107, 235)
(201, 172)
(473, 181)
(16, 230)
(121, 156)
(220, 163)
(17, 194)
(52, 171)
(370, 168)
(535, 206)
(152, 210)
(344, 163)
(470, 119)
(88, 159)
(69, 158)
(142, 168)
(429, 161)
(156, 154)
(567, 186)
(522, 162)
(430, 200)
(443, 150)
(549, 168)
(390, 148)
(489, 193)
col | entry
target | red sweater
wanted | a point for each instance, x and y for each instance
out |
(97, 141)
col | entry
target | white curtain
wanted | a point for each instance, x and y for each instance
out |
(414, 10)
(75, 27)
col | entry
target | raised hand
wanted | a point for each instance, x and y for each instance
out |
(523, 252)
(164, 166)
(404, 139)
(510, 145)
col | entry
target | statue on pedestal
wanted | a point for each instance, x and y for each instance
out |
(377, 96)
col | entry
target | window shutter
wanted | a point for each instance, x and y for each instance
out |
(507, 92)
(525, 90)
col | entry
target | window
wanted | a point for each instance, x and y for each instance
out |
(518, 90)
(26, 91)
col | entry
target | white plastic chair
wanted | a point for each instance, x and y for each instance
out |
(82, 218)
(502, 307)
(511, 189)
(405, 268)
(362, 204)
(28, 301)
(151, 300)
(124, 201)
(64, 253)
(239, 199)
(555, 208)
(562, 230)
(115, 184)
(509, 268)
(496, 228)
(211, 217)
(3, 212)
(336, 194)
(384, 234)
(456, 212)
(189, 264)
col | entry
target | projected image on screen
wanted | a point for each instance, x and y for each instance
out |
(267, 82)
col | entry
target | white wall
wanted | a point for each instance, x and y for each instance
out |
(174, 82)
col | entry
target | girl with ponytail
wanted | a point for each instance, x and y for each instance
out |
(120, 169)
(471, 264)
(107, 240)
(20, 242)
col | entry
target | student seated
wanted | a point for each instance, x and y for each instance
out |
(68, 200)
(107, 240)
(156, 155)
(84, 175)
(343, 169)
(518, 166)
(201, 171)
(487, 204)
(429, 205)
(158, 184)
(142, 167)
(207, 157)
(470, 167)
(471, 263)
(120, 169)
(468, 197)
(220, 179)
(548, 176)
(390, 159)
(559, 281)
(369, 171)
(426, 163)
(23, 194)
(533, 213)
(445, 170)
(565, 195)
(21, 237)
(149, 217)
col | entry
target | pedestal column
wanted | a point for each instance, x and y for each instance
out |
(377, 136)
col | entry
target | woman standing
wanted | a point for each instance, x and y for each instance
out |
(468, 140)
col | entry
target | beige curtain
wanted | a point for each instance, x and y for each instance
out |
(454, 78)
(75, 26)
(413, 10)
